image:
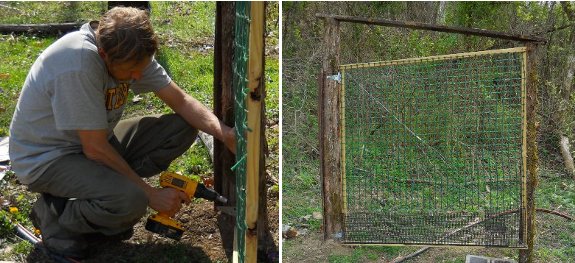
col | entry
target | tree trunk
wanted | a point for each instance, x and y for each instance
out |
(440, 17)
(531, 157)
(566, 153)
(565, 95)
(330, 136)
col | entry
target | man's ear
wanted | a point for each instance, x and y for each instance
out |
(102, 54)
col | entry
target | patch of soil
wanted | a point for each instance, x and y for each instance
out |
(201, 242)
(310, 248)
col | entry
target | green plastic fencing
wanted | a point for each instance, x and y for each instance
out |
(433, 150)
(241, 48)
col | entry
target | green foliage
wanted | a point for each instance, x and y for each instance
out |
(302, 53)
(272, 89)
(23, 248)
(533, 11)
(306, 188)
(6, 226)
(272, 23)
(473, 14)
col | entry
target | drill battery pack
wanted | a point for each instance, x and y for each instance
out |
(164, 226)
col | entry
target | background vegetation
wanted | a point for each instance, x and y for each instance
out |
(186, 33)
(302, 53)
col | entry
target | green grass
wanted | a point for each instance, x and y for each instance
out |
(185, 22)
(18, 55)
(555, 236)
(366, 254)
(272, 89)
(186, 33)
(301, 197)
(36, 12)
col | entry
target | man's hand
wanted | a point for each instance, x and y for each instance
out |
(167, 200)
(230, 139)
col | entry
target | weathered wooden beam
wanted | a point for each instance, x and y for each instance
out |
(433, 27)
(330, 134)
(224, 178)
(531, 157)
(40, 28)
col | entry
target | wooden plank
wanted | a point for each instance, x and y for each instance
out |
(432, 58)
(330, 134)
(254, 145)
(523, 214)
(342, 114)
(433, 27)
(235, 254)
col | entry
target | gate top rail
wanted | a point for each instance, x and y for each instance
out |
(432, 58)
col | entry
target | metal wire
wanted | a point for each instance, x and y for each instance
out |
(241, 48)
(433, 150)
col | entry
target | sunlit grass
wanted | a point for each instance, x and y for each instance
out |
(36, 12)
(18, 55)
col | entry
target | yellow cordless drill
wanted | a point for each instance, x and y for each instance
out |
(164, 225)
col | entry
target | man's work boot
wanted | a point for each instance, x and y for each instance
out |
(57, 240)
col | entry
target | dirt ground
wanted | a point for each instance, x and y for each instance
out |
(310, 248)
(200, 243)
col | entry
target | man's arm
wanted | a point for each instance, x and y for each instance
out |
(96, 147)
(197, 115)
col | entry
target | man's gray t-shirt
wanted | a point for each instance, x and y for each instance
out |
(68, 89)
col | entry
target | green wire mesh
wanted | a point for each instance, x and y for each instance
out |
(241, 47)
(433, 151)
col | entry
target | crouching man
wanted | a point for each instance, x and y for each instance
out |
(68, 142)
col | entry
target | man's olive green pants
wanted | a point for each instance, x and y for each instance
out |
(93, 198)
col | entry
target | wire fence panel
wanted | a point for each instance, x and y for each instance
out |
(433, 150)
(241, 48)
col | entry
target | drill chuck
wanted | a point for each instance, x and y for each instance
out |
(206, 193)
(222, 199)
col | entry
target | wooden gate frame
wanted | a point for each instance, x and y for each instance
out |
(330, 133)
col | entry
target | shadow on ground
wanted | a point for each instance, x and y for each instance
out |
(129, 252)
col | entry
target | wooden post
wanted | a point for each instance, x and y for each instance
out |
(55, 28)
(255, 151)
(330, 135)
(526, 255)
(224, 179)
(433, 27)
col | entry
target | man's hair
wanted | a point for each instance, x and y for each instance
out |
(126, 34)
